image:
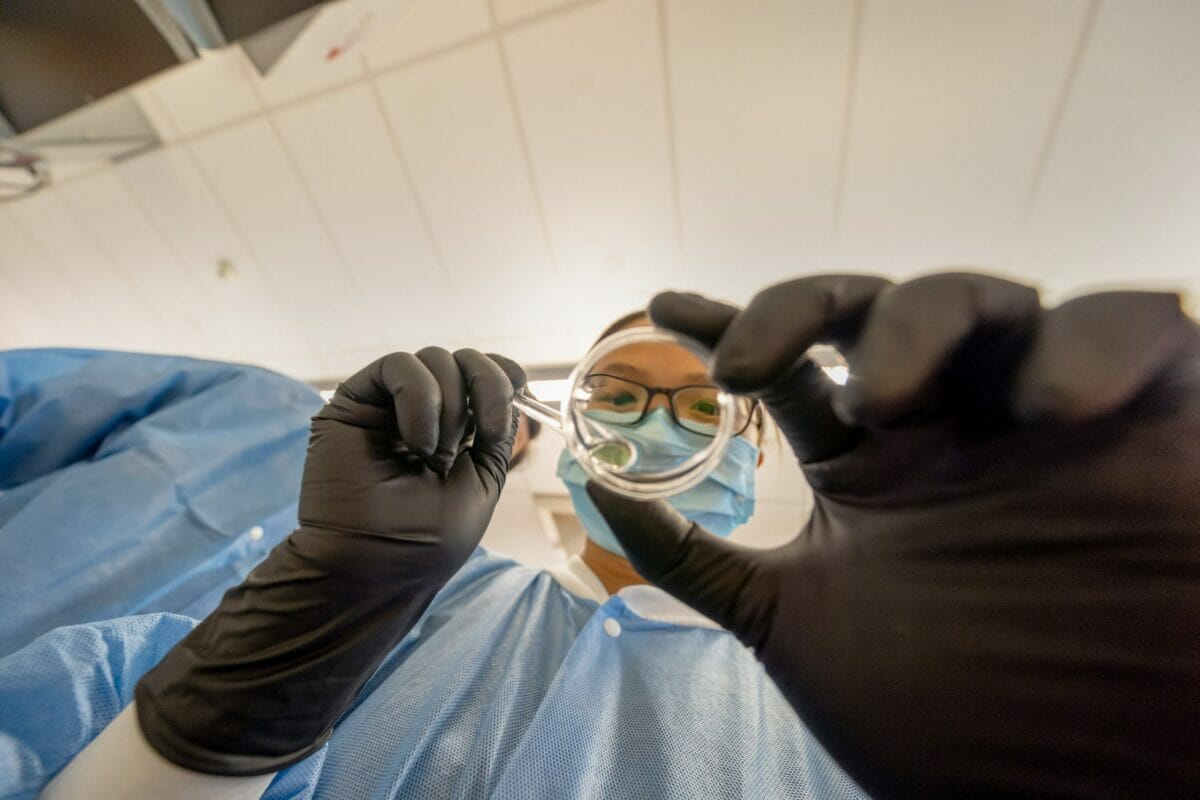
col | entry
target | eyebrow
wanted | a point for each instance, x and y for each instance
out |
(692, 378)
(617, 366)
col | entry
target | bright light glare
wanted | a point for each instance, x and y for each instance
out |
(549, 391)
(838, 374)
(327, 394)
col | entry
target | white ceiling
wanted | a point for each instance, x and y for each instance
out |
(512, 174)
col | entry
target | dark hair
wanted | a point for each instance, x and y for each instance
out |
(626, 322)
(535, 428)
(621, 323)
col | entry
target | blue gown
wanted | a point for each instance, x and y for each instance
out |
(509, 686)
(133, 483)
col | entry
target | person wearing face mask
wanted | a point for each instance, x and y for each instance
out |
(377, 652)
(665, 423)
(995, 595)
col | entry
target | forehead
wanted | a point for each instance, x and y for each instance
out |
(655, 364)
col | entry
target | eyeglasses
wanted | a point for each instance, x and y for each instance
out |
(693, 408)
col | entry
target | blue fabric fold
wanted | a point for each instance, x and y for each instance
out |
(133, 483)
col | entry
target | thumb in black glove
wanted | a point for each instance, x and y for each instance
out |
(404, 468)
(998, 591)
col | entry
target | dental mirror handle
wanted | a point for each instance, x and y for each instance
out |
(592, 434)
(537, 410)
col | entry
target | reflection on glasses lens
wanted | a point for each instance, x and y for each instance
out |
(607, 398)
(611, 399)
(697, 409)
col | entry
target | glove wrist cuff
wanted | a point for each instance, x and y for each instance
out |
(174, 745)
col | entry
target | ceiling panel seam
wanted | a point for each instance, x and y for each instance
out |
(48, 259)
(1087, 25)
(157, 230)
(327, 229)
(133, 287)
(672, 144)
(231, 218)
(493, 33)
(852, 61)
(184, 145)
(519, 122)
(397, 146)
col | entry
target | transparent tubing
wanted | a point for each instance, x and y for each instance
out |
(594, 437)
(590, 443)
(537, 410)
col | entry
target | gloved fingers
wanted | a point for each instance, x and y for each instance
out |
(490, 391)
(452, 423)
(912, 331)
(771, 334)
(708, 573)
(1095, 353)
(396, 387)
(518, 379)
(692, 315)
(516, 375)
(761, 349)
(800, 402)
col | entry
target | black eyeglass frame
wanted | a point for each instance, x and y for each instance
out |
(653, 391)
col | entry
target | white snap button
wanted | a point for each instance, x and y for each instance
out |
(256, 533)
(612, 627)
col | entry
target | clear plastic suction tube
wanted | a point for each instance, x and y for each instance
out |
(614, 452)
(535, 409)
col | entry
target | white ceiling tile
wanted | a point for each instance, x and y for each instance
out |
(154, 111)
(364, 193)
(1120, 198)
(116, 223)
(341, 364)
(424, 27)
(556, 346)
(455, 125)
(32, 275)
(244, 308)
(128, 319)
(509, 10)
(31, 315)
(590, 92)
(952, 105)
(253, 178)
(758, 93)
(65, 171)
(23, 322)
(207, 92)
(305, 366)
(277, 89)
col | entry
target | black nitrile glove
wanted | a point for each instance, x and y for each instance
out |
(404, 468)
(998, 592)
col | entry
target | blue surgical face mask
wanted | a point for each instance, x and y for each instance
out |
(720, 503)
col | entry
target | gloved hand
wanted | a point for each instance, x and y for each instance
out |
(404, 468)
(998, 592)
